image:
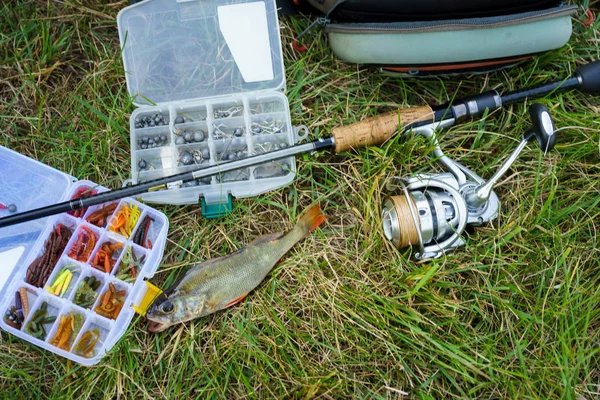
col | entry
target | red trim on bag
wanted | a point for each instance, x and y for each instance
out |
(450, 67)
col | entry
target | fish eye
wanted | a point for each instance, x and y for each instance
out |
(167, 307)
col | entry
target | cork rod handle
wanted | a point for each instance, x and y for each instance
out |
(376, 130)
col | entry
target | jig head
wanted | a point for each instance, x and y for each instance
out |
(431, 211)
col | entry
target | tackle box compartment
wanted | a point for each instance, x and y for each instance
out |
(30, 184)
(208, 81)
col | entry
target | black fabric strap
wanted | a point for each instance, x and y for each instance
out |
(428, 10)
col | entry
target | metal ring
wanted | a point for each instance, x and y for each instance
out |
(299, 137)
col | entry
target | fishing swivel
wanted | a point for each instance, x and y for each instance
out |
(431, 211)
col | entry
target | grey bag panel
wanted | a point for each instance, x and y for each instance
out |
(451, 46)
(451, 41)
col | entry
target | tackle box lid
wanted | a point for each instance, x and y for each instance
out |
(28, 184)
(178, 50)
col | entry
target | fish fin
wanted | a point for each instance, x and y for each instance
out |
(201, 305)
(266, 238)
(311, 220)
(225, 257)
(242, 297)
(212, 303)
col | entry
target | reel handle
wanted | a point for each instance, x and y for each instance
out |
(542, 129)
(378, 129)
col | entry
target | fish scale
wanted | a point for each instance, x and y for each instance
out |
(221, 282)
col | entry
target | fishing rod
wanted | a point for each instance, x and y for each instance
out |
(422, 120)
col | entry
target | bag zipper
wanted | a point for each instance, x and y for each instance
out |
(459, 24)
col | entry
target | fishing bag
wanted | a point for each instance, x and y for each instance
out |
(443, 36)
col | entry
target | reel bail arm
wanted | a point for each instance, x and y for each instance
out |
(542, 130)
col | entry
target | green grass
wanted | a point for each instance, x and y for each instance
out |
(514, 314)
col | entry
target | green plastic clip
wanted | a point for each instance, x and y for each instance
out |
(218, 210)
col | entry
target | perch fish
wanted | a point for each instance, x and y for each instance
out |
(221, 282)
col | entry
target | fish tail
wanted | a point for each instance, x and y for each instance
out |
(311, 220)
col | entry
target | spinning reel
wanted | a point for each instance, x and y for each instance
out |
(431, 211)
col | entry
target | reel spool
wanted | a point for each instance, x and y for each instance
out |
(430, 213)
(432, 210)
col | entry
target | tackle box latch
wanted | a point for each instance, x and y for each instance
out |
(216, 210)
(152, 292)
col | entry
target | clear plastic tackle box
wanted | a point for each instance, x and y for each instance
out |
(29, 184)
(208, 81)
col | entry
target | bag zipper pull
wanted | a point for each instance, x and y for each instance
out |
(321, 21)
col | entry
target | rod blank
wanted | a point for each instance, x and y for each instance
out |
(164, 183)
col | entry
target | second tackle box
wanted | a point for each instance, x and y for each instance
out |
(68, 283)
(208, 80)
